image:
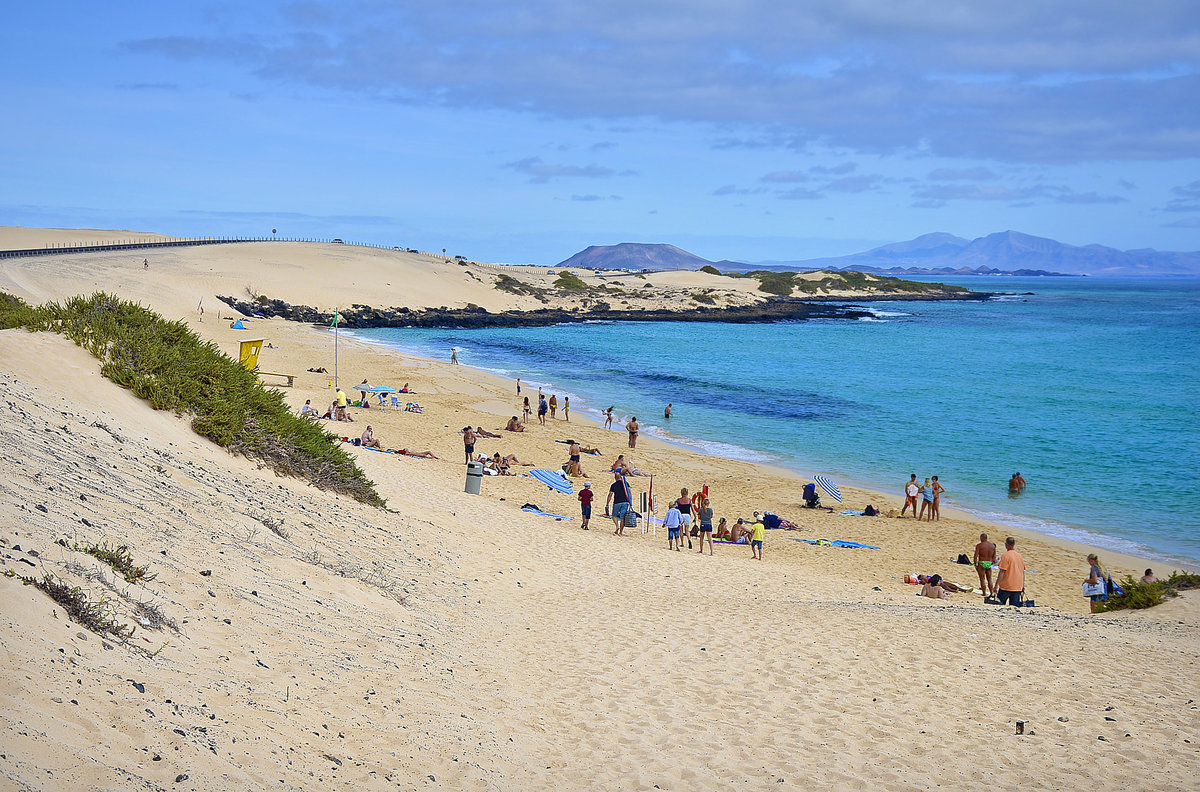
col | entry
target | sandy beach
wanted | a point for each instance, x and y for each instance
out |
(454, 641)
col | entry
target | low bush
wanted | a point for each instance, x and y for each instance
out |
(174, 369)
(116, 557)
(710, 269)
(1136, 595)
(569, 281)
(96, 616)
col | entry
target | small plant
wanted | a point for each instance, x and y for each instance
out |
(96, 616)
(275, 528)
(702, 297)
(116, 557)
(710, 269)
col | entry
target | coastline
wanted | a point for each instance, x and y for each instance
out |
(1080, 538)
(317, 641)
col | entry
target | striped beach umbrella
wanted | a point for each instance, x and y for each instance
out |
(828, 487)
(555, 481)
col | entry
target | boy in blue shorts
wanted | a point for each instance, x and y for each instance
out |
(585, 503)
(672, 521)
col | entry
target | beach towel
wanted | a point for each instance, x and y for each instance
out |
(540, 513)
(850, 513)
(742, 541)
(836, 543)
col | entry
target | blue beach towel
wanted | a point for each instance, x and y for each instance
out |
(541, 513)
(836, 543)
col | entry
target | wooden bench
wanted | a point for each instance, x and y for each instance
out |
(291, 378)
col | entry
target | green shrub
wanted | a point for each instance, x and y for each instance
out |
(1136, 595)
(710, 269)
(569, 281)
(171, 367)
(118, 558)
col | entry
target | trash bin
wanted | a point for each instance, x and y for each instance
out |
(474, 477)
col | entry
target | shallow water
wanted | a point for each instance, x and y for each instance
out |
(1088, 387)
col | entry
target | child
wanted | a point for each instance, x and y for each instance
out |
(756, 539)
(672, 521)
(585, 503)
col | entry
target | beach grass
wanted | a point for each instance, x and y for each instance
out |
(171, 367)
(118, 558)
(96, 615)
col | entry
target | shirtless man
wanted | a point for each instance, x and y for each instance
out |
(1020, 481)
(481, 432)
(368, 439)
(1014, 485)
(574, 466)
(984, 560)
(911, 490)
(514, 425)
(632, 427)
(469, 443)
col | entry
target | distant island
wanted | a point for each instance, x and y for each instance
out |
(1003, 253)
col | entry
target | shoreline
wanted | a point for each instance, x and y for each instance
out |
(1111, 546)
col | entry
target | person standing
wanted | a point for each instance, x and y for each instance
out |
(553, 405)
(341, 405)
(706, 526)
(454, 356)
(567, 409)
(757, 531)
(543, 407)
(518, 386)
(926, 499)
(984, 560)
(673, 521)
(585, 503)
(667, 412)
(469, 443)
(1020, 480)
(608, 417)
(1096, 575)
(526, 411)
(632, 427)
(911, 491)
(1010, 585)
(935, 510)
(618, 502)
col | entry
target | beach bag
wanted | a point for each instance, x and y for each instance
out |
(870, 511)
(1096, 589)
(962, 559)
(631, 518)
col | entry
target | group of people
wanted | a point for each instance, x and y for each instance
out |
(1016, 484)
(929, 495)
(545, 406)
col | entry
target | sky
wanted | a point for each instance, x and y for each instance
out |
(526, 131)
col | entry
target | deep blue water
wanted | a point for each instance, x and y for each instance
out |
(1089, 387)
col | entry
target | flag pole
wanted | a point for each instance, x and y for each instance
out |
(336, 317)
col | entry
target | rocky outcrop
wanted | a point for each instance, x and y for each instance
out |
(472, 316)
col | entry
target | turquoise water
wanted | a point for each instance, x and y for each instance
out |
(1089, 387)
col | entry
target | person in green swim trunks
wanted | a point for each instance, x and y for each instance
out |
(985, 559)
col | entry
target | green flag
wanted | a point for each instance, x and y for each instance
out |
(336, 318)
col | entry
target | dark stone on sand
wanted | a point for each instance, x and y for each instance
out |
(777, 309)
(27, 561)
(1063, 718)
(181, 777)
(227, 621)
(34, 553)
(84, 520)
(42, 509)
(106, 644)
(17, 548)
(180, 732)
(156, 758)
(139, 687)
(1102, 738)
(205, 573)
(1114, 720)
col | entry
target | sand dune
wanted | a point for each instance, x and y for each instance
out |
(453, 641)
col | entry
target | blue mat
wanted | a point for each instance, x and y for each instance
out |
(836, 543)
(541, 513)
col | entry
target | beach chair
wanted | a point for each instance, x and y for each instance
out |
(395, 402)
(811, 499)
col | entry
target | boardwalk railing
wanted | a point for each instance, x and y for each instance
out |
(150, 244)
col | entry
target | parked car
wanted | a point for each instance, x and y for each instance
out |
(338, 242)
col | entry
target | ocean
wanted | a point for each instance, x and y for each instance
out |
(1087, 386)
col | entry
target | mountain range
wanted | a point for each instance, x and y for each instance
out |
(1005, 252)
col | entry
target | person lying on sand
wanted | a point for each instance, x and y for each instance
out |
(479, 430)
(368, 439)
(946, 585)
(591, 451)
(320, 370)
(411, 453)
(514, 425)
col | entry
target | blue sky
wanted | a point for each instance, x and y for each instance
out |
(525, 131)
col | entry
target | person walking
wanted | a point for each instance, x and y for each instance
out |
(667, 412)
(608, 417)
(543, 407)
(1010, 585)
(585, 503)
(567, 409)
(618, 502)
(673, 522)
(632, 427)
(1096, 575)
